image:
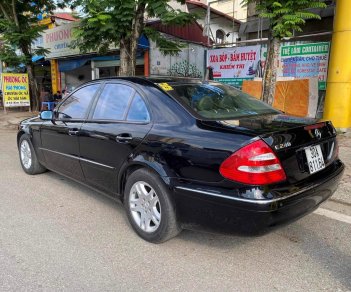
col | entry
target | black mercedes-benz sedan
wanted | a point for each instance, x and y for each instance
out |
(185, 153)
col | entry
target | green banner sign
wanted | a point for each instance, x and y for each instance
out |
(236, 82)
(307, 49)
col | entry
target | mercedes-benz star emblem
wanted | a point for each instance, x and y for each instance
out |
(317, 133)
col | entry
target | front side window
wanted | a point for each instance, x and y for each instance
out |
(77, 104)
(113, 102)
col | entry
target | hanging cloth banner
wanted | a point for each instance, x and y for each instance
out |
(304, 61)
(15, 89)
(234, 65)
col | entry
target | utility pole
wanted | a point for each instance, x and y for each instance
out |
(338, 98)
(233, 21)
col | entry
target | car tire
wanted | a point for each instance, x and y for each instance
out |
(28, 157)
(149, 207)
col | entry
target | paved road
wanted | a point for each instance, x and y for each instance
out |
(58, 235)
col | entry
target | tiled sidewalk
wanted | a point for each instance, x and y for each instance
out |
(12, 118)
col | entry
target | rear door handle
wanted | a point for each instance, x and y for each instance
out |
(73, 132)
(125, 137)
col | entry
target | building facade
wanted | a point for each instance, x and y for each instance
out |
(233, 8)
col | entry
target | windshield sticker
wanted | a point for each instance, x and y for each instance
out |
(165, 86)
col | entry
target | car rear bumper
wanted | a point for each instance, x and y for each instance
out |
(213, 210)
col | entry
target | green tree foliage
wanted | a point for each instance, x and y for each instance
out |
(120, 23)
(285, 17)
(19, 28)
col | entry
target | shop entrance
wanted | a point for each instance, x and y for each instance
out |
(110, 68)
(107, 72)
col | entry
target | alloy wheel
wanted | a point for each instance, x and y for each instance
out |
(26, 154)
(145, 207)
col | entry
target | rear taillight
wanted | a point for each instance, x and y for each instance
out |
(254, 164)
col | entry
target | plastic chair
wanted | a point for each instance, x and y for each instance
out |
(48, 104)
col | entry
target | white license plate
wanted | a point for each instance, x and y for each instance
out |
(314, 158)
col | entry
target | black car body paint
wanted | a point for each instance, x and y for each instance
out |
(186, 151)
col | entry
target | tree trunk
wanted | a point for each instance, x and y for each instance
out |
(270, 72)
(33, 86)
(133, 50)
(129, 46)
(34, 92)
(126, 56)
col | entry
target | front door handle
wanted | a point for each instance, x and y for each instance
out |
(125, 137)
(73, 132)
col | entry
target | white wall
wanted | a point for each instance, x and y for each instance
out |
(160, 64)
(76, 77)
(226, 6)
(223, 24)
(219, 22)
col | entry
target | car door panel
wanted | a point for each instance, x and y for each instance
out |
(59, 138)
(102, 154)
(108, 138)
(61, 149)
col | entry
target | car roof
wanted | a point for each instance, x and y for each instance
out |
(154, 80)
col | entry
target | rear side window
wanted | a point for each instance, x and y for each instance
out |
(113, 102)
(76, 105)
(138, 111)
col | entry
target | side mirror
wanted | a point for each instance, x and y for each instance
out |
(46, 115)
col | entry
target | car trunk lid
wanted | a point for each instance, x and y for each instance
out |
(304, 150)
(297, 142)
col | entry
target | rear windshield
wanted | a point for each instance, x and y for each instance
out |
(218, 101)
